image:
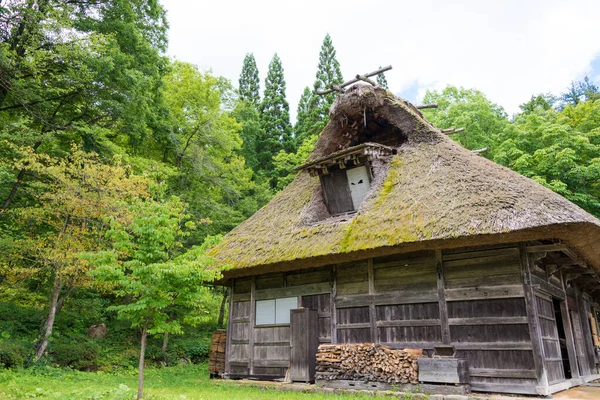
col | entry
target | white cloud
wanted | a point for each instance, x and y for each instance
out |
(510, 50)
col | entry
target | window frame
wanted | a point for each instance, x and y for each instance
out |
(327, 194)
(274, 323)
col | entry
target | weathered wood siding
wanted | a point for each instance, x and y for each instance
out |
(494, 304)
(264, 350)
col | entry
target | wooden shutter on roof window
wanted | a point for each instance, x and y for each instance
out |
(337, 192)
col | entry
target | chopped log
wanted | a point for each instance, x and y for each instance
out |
(367, 362)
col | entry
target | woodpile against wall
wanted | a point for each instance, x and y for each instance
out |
(216, 358)
(367, 362)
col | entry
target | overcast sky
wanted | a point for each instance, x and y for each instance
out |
(508, 49)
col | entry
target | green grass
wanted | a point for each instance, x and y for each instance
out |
(182, 382)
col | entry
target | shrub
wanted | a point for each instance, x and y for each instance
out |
(11, 354)
(82, 356)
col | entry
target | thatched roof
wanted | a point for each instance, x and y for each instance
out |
(432, 194)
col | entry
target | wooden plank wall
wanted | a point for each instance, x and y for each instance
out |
(488, 317)
(264, 351)
(473, 298)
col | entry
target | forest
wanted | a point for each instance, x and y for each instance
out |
(120, 167)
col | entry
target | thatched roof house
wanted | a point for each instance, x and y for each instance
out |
(395, 234)
(430, 190)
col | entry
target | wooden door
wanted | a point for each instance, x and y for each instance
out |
(582, 358)
(358, 182)
(553, 360)
(305, 343)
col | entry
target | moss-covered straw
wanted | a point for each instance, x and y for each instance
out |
(435, 194)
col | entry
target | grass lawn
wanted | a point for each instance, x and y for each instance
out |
(184, 382)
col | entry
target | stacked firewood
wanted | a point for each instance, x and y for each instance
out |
(367, 362)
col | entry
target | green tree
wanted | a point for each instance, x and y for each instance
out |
(284, 163)
(275, 116)
(328, 73)
(483, 120)
(85, 71)
(560, 150)
(212, 176)
(249, 81)
(146, 266)
(303, 125)
(66, 219)
(381, 81)
(580, 91)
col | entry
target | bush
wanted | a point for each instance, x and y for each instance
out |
(82, 356)
(197, 353)
(11, 354)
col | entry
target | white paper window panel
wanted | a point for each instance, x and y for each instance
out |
(265, 312)
(283, 307)
(358, 181)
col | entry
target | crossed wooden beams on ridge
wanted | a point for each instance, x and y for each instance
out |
(365, 78)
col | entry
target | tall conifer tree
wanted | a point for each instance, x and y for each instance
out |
(275, 116)
(302, 129)
(249, 81)
(328, 73)
(381, 81)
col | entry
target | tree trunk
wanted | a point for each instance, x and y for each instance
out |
(165, 343)
(141, 365)
(222, 310)
(43, 343)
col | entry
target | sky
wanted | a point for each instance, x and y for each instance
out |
(508, 49)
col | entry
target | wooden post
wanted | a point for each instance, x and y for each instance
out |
(372, 309)
(332, 304)
(566, 320)
(251, 325)
(532, 318)
(229, 326)
(442, 305)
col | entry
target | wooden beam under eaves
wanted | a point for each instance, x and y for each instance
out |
(546, 248)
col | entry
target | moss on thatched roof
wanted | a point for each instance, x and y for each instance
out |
(433, 194)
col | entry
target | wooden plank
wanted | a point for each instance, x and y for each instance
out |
(503, 373)
(439, 370)
(252, 323)
(292, 291)
(488, 321)
(394, 388)
(484, 292)
(372, 312)
(546, 248)
(443, 307)
(587, 332)
(354, 326)
(532, 317)
(409, 322)
(333, 306)
(337, 192)
(492, 345)
(386, 299)
(241, 297)
(271, 363)
(570, 342)
(229, 327)
(541, 284)
(497, 260)
(481, 253)
(503, 388)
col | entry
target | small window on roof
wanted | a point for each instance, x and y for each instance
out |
(345, 189)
